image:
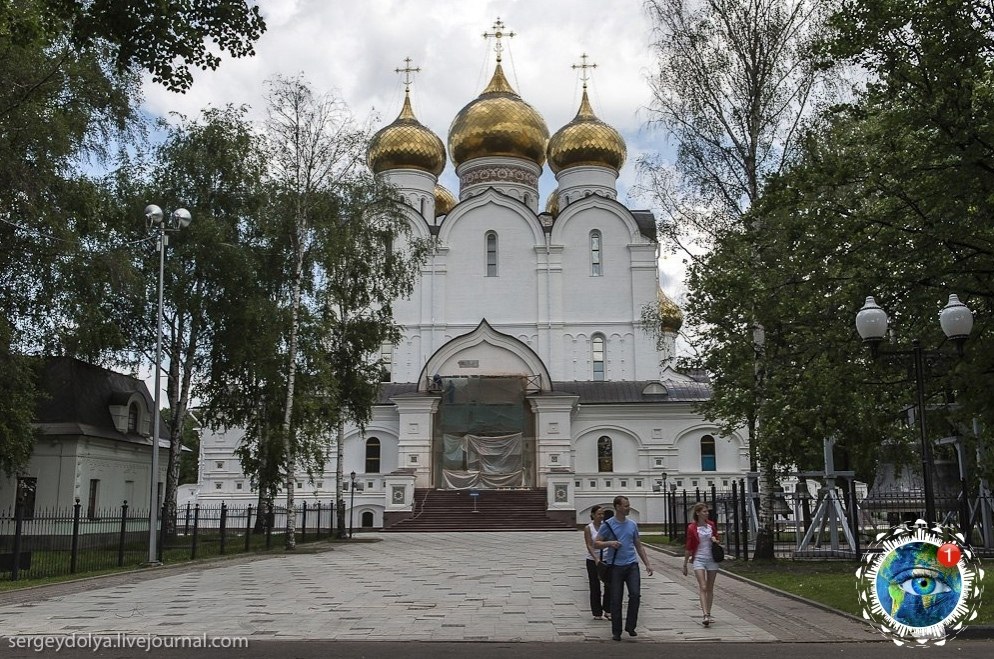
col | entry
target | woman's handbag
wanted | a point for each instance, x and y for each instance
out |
(717, 552)
(603, 569)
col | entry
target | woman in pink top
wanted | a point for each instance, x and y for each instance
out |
(701, 533)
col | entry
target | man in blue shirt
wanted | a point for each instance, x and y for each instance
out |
(621, 536)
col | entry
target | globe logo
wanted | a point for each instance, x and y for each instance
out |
(919, 584)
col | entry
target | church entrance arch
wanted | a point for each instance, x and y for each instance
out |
(483, 431)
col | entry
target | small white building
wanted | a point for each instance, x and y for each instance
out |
(524, 361)
(95, 428)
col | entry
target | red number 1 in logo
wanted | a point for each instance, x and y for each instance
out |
(949, 554)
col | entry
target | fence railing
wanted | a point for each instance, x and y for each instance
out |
(56, 542)
(837, 525)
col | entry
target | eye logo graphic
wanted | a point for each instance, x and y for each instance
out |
(919, 585)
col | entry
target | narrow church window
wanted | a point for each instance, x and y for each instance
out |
(133, 417)
(605, 454)
(595, 253)
(26, 488)
(386, 362)
(491, 254)
(597, 349)
(372, 455)
(91, 505)
(708, 458)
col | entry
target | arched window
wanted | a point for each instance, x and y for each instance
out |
(605, 454)
(133, 417)
(595, 254)
(708, 458)
(491, 253)
(597, 356)
(367, 520)
(372, 456)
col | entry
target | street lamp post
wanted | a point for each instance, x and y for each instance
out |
(178, 219)
(351, 503)
(956, 321)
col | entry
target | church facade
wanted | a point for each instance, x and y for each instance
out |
(525, 361)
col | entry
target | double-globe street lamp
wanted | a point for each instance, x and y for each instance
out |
(956, 321)
(351, 503)
(178, 219)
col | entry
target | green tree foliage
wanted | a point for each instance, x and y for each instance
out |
(164, 39)
(330, 254)
(69, 89)
(892, 197)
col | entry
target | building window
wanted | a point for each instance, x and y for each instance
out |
(605, 455)
(133, 417)
(708, 461)
(25, 497)
(372, 455)
(219, 464)
(491, 240)
(597, 354)
(386, 362)
(595, 254)
(238, 485)
(91, 505)
(217, 485)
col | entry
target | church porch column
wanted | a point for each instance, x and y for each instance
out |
(416, 416)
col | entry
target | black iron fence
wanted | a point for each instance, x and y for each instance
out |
(58, 542)
(835, 523)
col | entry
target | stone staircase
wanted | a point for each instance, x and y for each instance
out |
(495, 510)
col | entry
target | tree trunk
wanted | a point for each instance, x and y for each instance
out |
(288, 445)
(339, 475)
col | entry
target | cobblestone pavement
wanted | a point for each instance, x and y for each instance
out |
(418, 587)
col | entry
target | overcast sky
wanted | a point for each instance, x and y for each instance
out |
(354, 46)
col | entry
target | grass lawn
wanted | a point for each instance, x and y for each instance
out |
(832, 583)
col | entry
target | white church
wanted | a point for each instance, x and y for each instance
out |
(524, 363)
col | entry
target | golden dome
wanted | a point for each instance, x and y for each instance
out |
(586, 141)
(498, 123)
(670, 316)
(444, 200)
(552, 203)
(406, 144)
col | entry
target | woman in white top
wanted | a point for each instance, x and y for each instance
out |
(701, 534)
(599, 604)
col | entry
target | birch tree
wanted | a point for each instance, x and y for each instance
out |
(735, 82)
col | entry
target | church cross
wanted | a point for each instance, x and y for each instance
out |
(498, 34)
(407, 71)
(583, 66)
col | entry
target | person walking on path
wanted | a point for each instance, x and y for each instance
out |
(621, 535)
(701, 534)
(599, 606)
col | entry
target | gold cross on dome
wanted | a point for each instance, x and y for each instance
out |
(498, 34)
(583, 66)
(407, 71)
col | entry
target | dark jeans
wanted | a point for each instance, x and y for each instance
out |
(598, 604)
(631, 578)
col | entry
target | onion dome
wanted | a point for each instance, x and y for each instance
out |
(406, 144)
(444, 200)
(498, 123)
(552, 203)
(586, 141)
(670, 316)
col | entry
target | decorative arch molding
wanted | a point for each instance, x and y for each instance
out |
(505, 353)
(613, 431)
(612, 207)
(418, 224)
(694, 434)
(491, 196)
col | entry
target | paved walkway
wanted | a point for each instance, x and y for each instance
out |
(417, 586)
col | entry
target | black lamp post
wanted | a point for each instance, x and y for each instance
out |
(158, 222)
(956, 321)
(351, 503)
